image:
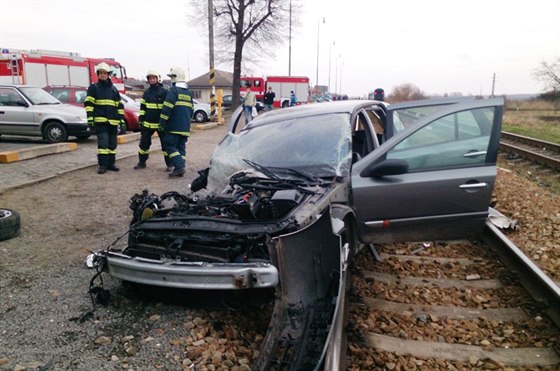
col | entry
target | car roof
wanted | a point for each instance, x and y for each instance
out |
(66, 87)
(18, 86)
(343, 106)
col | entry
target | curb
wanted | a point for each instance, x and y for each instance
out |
(37, 151)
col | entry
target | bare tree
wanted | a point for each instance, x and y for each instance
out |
(258, 25)
(549, 73)
(406, 92)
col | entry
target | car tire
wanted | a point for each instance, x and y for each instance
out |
(200, 116)
(285, 104)
(55, 132)
(10, 224)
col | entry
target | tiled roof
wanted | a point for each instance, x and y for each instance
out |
(223, 80)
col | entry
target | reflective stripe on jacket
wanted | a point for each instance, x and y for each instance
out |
(151, 105)
(103, 103)
(177, 111)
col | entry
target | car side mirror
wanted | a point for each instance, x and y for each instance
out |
(386, 167)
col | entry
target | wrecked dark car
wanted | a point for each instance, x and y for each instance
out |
(288, 199)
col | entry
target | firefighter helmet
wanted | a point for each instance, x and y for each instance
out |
(153, 73)
(176, 74)
(102, 67)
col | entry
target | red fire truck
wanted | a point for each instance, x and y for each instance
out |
(49, 67)
(281, 86)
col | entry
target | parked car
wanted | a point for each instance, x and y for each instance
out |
(201, 111)
(226, 102)
(29, 110)
(76, 96)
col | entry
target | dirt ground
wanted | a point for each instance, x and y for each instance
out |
(44, 282)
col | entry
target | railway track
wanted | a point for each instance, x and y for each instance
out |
(459, 305)
(542, 152)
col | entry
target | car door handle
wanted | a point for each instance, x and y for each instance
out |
(474, 154)
(2, 112)
(473, 185)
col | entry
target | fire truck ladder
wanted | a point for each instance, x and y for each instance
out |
(14, 68)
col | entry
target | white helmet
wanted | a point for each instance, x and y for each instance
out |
(176, 74)
(102, 67)
(153, 73)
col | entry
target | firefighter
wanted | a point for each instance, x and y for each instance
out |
(175, 119)
(105, 112)
(150, 110)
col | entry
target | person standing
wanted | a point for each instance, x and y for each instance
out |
(105, 112)
(175, 119)
(269, 99)
(248, 105)
(151, 105)
(293, 99)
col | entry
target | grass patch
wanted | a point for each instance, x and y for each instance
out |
(536, 119)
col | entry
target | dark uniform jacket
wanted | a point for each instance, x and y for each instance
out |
(103, 103)
(177, 111)
(151, 105)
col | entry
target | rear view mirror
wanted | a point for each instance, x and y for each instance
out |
(386, 167)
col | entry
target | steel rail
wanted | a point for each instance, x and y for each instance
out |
(548, 146)
(551, 162)
(541, 287)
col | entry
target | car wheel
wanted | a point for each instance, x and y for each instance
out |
(200, 116)
(285, 104)
(55, 132)
(9, 224)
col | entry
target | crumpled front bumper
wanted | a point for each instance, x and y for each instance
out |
(187, 275)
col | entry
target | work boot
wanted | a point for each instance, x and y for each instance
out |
(177, 173)
(102, 169)
(140, 165)
(112, 167)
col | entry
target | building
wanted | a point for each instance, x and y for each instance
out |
(200, 86)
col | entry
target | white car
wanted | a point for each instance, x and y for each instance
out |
(201, 111)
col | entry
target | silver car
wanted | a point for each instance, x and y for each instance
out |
(31, 111)
(294, 194)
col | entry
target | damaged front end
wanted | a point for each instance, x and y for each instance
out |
(215, 242)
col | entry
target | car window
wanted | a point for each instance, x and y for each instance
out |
(10, 97)
(321, 148)
(62, 95)
(459, 139)
(80, 96)
(116, 71)
(38, 96)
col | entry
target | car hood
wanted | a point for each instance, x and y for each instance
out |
(57, 109)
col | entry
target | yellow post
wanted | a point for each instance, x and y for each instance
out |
(219, 94)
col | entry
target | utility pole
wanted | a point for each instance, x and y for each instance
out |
(290, 44)
(493, 85)
(211, 57)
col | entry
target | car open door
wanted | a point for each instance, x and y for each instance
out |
(434, 178)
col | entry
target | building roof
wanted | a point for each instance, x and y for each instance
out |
(224, 79)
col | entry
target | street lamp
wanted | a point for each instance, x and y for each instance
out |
(317, 75)
(330, 47)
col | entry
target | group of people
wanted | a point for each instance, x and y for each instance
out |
(250, 103)
(165, 111)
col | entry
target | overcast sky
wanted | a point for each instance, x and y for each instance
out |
(441, 46)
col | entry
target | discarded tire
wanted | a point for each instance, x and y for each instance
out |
(9, 224)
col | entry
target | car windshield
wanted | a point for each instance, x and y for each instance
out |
(315, 145)
(38, 96)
